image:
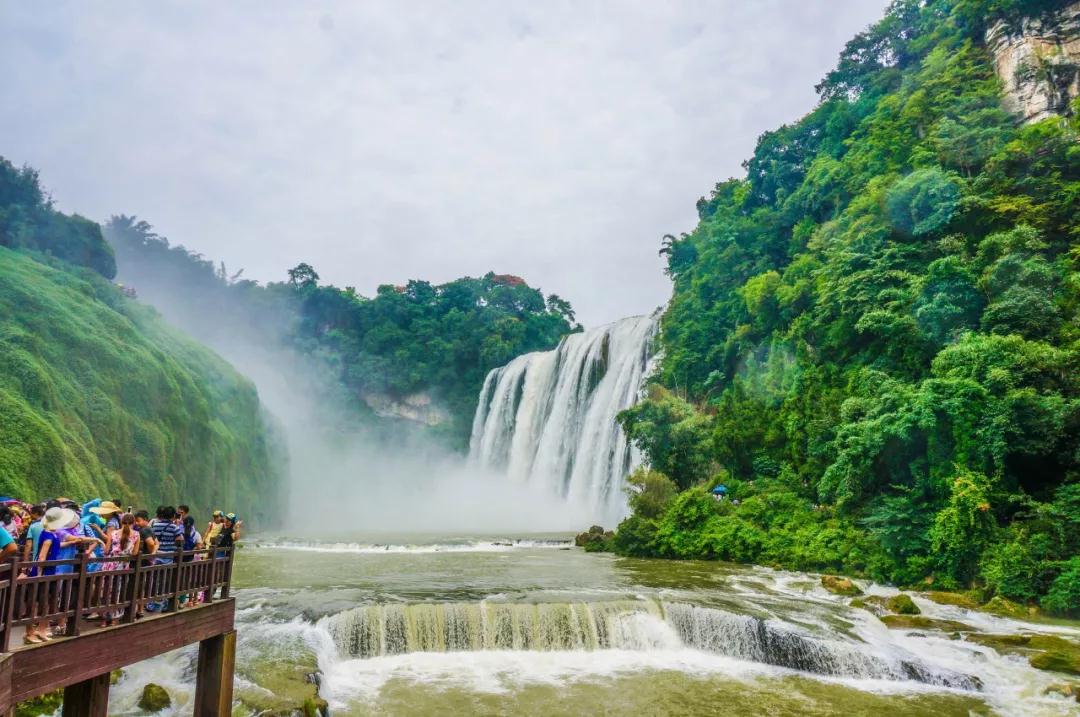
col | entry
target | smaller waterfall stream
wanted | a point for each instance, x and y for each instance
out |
(549, 417)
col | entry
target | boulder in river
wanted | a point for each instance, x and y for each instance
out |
(903, 605)
(955, 599)
(1007, 608)
(1045, 652)
(921, 622)
(595, 539)
(840, 585)
(154, 698)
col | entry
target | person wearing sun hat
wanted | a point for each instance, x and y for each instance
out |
(213, 528)
(49, 540)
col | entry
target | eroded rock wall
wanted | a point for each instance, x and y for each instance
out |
(1039, 62)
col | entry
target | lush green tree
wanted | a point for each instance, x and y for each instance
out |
(880, 319)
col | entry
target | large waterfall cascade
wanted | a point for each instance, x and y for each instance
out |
(549, 417)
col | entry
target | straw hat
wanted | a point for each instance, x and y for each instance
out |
(58, 518)
(107, 508)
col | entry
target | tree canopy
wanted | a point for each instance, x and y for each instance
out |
(873, 336)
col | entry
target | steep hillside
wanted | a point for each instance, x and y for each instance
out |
(98, 397)
(873, 338)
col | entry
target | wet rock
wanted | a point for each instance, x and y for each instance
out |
(1044, 652)
(44, 705)
(839, 585)
(1067, 661)
(315, 707)
(595, 539)
(1064, 689)
(954, 599)
(921, 622)
(1007, 608)
(280, 689)
(154, 698)
(903, 605)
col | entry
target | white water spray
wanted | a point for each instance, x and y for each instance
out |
(548, 418)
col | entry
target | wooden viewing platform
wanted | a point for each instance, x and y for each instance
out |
(81, 661)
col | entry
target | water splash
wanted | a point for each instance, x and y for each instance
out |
(549, 417)
(644, 625)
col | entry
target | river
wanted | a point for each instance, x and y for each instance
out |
(435, 625)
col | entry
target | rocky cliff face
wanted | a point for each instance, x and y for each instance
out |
(418, 408)
(1039, 62)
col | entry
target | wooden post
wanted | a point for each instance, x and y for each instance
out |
(89, 698)
(133, 603)
(230, 555)
(172, 604)
(214, 682)
(9, 609)
(79, 586)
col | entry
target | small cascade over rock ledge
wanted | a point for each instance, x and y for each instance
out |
(641, 625)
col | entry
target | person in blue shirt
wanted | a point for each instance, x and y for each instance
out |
(33, 533)
(7, 544)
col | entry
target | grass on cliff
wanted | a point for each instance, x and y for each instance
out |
(98, 397)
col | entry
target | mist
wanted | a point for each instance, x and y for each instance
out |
(344, 470)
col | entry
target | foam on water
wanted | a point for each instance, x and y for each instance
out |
(479, 546)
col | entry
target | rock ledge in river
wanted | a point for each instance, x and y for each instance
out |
(840, 586)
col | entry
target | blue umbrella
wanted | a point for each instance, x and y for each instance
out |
(720, 490)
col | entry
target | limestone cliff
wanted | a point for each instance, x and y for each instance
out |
(1038, 60)
(417, 407)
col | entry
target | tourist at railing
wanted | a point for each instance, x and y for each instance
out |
(167, 533)
(213, 528)
(100, 539)
(124, 542)
(7, 544)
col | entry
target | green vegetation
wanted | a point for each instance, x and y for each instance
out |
(873, 337)
(98, 397)
(440, 340)
(28, 221)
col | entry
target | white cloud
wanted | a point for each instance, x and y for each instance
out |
(383, 141)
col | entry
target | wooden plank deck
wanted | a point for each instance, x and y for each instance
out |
(81, 661)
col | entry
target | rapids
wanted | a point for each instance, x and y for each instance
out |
(548, 417)
(427, 625)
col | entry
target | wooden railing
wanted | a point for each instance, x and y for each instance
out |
(121, 587)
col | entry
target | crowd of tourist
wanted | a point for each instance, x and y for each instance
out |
(61, 529)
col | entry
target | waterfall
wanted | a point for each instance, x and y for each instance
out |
(549, 417)
(393, 629)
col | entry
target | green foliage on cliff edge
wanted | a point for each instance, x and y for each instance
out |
(437, 339)
(873, 340)
(98, 397)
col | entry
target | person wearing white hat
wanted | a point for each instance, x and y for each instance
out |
(59, 541)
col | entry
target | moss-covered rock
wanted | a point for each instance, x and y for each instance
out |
(154, 698)
(44, 705)
(1064, 689)
(1007, 608)
(595, 539)
(903, 605)
(1045, 652)
(921, 622)
(840, 585)
(282, 688)
(956, 599)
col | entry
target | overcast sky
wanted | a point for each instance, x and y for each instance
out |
(383, 141)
